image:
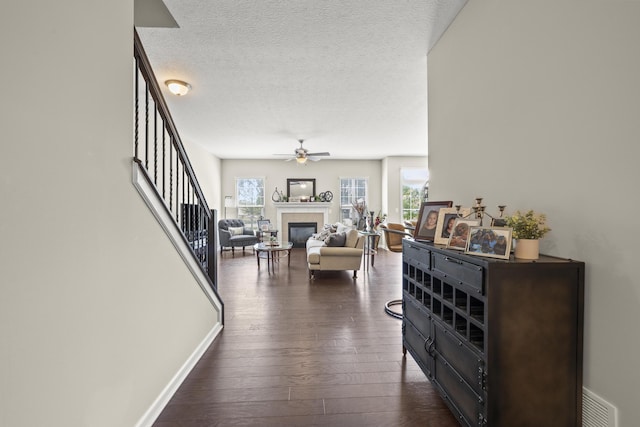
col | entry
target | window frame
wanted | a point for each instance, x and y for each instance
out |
(346, 208)
(258, 200)
(417, 187)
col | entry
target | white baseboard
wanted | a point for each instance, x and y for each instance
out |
(167, 393)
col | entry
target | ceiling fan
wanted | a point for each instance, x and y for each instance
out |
(301, 154)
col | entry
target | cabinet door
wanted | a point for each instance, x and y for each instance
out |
(418, 316)
(465, 361)
(466, 405)
(418, 346)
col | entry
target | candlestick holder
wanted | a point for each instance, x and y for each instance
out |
(479, 212)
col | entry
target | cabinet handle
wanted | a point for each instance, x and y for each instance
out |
(457, 261)
(428, 346)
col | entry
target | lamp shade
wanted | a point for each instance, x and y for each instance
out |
(228, 201)
(178, 87)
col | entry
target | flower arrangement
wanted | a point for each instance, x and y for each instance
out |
(360, 207)
(528, 225)
(380, 218)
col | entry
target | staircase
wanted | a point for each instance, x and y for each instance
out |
(165, 179)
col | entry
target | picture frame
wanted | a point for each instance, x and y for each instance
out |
(491, 242)
(426, 225)
(263, 224)
(446, 220)
(498, 222)
(304, 188)
(458, 239)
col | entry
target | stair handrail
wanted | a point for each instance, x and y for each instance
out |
(197, 218)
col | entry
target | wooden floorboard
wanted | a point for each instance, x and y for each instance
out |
(302, 352)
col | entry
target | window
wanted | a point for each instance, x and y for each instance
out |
(250, 200)
(415, 183)
(351, 190)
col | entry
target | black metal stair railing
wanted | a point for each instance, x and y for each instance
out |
(160, 153)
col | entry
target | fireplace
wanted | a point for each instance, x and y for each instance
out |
(286, 212)
(299, 232)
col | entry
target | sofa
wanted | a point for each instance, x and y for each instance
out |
(326, 253)
(233, 234)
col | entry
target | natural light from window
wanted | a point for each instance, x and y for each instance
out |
(415, 184)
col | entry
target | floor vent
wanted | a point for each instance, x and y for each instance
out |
(597, 412)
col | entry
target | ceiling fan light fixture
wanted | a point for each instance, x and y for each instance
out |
(301, 160)
(178, 87)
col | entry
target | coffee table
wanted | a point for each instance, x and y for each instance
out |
(271, 252)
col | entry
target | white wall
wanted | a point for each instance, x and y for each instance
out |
(97, 310)
(326, 173)
(384, 179)
(207, 168)
(534, 104)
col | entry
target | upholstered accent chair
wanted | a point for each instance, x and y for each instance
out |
(233, 234)
(393, 235)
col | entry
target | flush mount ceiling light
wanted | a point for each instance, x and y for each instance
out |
(178, 87)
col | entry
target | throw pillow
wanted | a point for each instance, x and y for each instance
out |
(322, 235)
(336, 239)
(235, 231)
(341, 228)
(329, 227)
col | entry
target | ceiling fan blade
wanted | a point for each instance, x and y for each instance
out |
(318, 154)
(289, 159)
(313, 159)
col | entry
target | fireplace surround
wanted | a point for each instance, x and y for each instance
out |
(286, 212)
(299, 232)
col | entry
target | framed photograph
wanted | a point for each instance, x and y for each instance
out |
(498, 222)
(428, 220)
(446, 219)
(460, 235)
(492, 242)
(263, 224)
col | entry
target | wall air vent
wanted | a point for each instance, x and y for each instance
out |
(597, 412)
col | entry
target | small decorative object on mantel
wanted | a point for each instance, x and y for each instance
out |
(276, 197)
(325, 196)
(528, 228)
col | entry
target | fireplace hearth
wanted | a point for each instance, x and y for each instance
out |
(299, 232)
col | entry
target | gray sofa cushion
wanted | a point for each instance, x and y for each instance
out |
(336, 239)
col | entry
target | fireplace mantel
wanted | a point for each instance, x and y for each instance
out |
(302, 205)
(301, 208)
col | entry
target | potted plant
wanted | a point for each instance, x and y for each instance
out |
(528, 228)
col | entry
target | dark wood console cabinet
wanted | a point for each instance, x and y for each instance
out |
(501, 340)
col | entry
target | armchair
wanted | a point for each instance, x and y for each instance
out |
(393, 235)
(233, 233)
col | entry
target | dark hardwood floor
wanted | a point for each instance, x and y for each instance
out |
(301, 352)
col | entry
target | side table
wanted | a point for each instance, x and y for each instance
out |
(370, 245)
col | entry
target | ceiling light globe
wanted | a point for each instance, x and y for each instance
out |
(301, 160)
(178, 87)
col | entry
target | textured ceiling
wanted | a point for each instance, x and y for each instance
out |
(348, 77)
